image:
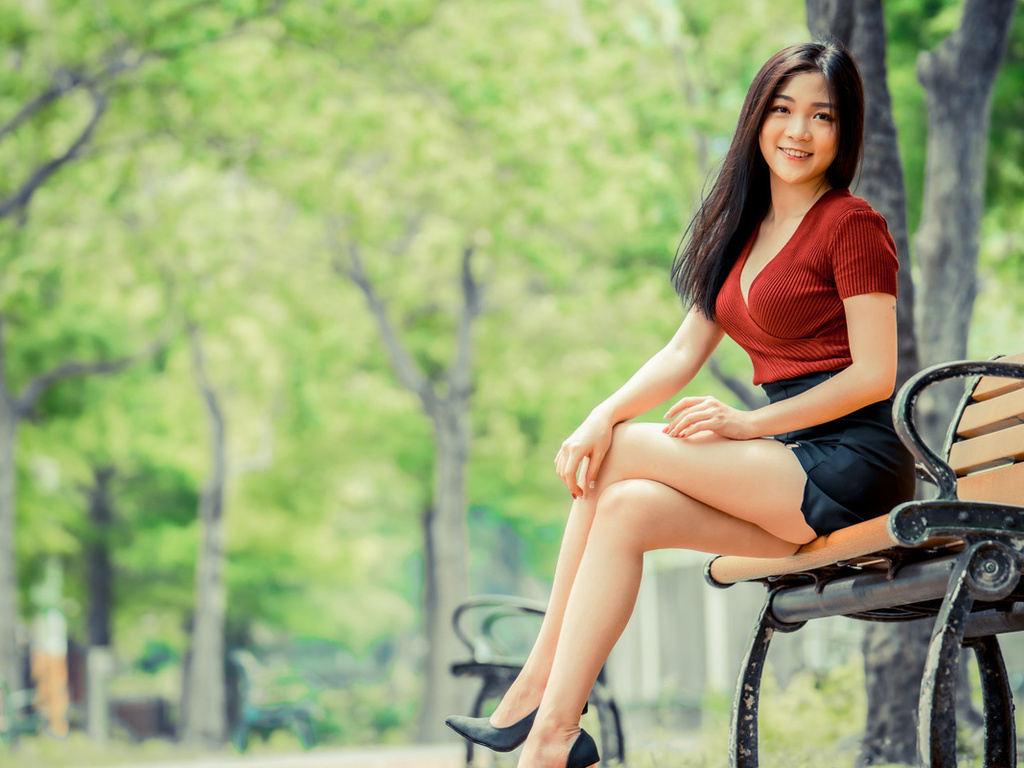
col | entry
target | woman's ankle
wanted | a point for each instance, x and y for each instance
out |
(517, 703)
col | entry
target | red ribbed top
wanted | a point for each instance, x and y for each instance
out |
(795, 322)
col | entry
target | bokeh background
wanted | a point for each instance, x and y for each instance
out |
(298, 299)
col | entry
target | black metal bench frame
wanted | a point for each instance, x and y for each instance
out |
(17, 714)
(960, 561)
(497, 668)
(255, 713)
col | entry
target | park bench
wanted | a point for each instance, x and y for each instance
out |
(268, 700)
(496, 629)
(17, 715)
(957, 557)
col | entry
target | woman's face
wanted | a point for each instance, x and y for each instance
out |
(799, 137)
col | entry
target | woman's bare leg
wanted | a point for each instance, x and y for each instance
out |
(726, 474)
(656, 492)
(633, 516)
(525, 692)
(760, 481)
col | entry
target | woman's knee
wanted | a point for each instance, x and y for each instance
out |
(616, 466)
(624, 510)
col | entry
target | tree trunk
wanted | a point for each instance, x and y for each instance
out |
(99, 574)
(446, 569)
(893, 653)
(893, 664)
(957, 78)
(10, 668)
(204, 698)
(445, 541)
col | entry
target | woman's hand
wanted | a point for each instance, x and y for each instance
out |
(708, 414)
(582, 453)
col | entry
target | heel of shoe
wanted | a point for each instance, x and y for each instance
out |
(583, 753)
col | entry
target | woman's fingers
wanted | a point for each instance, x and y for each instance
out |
(582, 475)
(567, 463)
(594, 466)
(693, 423)
(696, 416)
(580, 456)
(683, 404)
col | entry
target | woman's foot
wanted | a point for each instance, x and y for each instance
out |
(501, 739)
(509, 724)
(517, 703)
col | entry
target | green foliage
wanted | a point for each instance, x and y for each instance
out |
(246, 147)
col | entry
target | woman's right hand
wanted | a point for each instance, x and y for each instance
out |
(579, 459)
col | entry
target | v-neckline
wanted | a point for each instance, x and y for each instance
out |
(785, 245)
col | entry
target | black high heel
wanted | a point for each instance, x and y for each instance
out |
(480, 731)
(583, 753)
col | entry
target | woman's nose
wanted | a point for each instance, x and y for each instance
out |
(797, 127)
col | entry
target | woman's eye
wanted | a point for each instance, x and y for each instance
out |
(824, 116)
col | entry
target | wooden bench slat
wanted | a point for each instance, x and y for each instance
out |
(858, 540)
(1004, 485)
(993, 450)
(992, 415)
(993, 386)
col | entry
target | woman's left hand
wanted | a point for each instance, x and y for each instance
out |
(708, 414)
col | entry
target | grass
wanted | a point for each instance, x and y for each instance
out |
(815, 722)
(79, 751)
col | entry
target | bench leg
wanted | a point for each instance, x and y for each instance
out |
(1000, 732)
(743, 731)
(936, 733)
(240, 736)
(985, 569)
(492, 687)
(613, 745)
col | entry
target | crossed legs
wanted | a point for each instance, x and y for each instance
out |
(653, 492)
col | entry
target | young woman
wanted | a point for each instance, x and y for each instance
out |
(802, 274)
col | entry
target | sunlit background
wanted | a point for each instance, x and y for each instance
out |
(283, 283)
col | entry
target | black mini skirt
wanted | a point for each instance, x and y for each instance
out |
(856, 466)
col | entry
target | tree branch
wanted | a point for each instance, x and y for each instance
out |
(64, 82)
(461, 374)
(5, 393)
(831, 18)
(211, 498)
(408, 371)
(24, 404)
(206, 387)
(20, 199)
(978, 42)
(185, 11)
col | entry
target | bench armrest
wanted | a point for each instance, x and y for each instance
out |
(935, 468)
(495, 609)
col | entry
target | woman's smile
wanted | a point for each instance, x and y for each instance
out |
(796, 154)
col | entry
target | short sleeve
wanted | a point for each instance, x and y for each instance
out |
(863, 255)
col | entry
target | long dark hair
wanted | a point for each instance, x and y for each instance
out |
(740, 196)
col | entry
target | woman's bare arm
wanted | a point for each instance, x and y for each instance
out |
(667, 372)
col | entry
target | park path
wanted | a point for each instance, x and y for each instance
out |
(416, 756)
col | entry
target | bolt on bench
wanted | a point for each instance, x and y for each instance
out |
(958, 557)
